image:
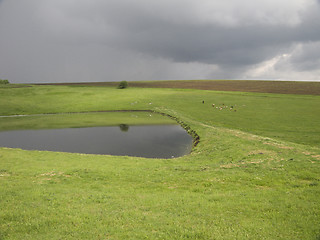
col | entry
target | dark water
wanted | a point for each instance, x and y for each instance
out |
(151, 141)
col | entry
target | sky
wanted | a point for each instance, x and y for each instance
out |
(45, 41)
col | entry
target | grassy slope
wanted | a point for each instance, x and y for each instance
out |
(235, 185)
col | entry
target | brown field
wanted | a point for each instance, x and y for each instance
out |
(283, 87)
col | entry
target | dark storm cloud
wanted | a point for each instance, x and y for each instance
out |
(213, 43)
(210, 44)
(101, 40)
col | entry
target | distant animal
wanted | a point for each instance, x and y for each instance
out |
(202, 101)
(213, 105)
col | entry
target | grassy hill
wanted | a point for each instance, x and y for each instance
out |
(253, 175)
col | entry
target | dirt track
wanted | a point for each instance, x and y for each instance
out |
(284, 87)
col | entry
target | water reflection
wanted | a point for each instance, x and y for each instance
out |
(152, 141)
(124, 127)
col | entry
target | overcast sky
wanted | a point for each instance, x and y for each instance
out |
(112, 40)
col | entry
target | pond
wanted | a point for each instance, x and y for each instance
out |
(150, 141)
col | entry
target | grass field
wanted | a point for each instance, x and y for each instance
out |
(253, 175)
(283, 87)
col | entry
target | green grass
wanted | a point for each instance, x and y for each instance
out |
(78, 120)
(293, 118)
(254, 174)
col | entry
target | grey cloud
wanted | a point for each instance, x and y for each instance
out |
(208, 43)
(306, 57)
(58, 40)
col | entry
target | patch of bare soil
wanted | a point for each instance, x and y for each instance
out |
(283, 87)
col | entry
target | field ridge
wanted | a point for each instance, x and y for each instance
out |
(258, 86)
